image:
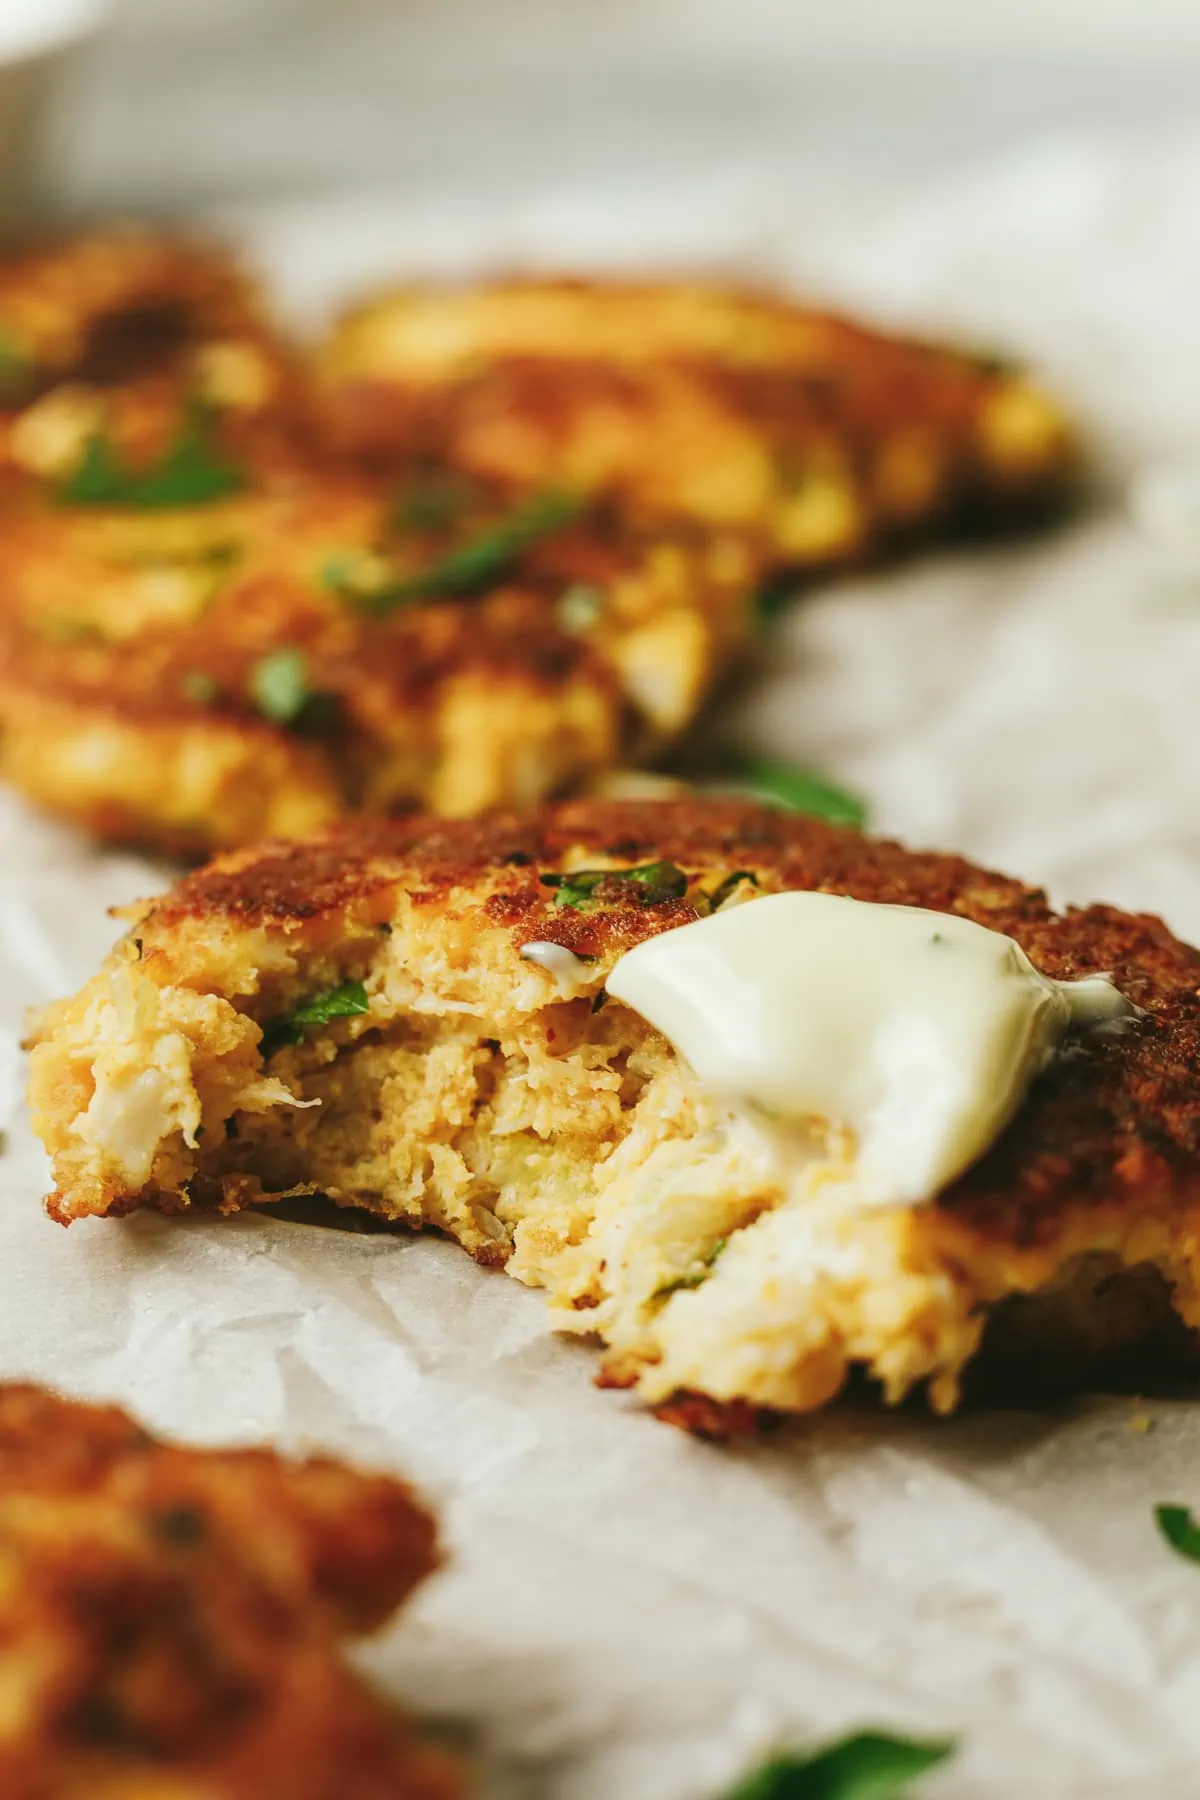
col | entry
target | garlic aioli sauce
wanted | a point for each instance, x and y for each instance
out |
(917, 1032)
(569, 971)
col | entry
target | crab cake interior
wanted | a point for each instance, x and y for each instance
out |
(401, 1017)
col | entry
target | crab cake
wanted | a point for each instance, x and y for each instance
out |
(171, 1619)
(826, 440)
(261, 665)
(413, 1018)
(134, 362)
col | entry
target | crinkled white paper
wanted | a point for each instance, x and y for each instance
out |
(629, 1615)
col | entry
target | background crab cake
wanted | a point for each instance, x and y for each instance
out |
(135, 365)
(261, 664)
(411, 1018)
(827, 440)
(170, 1619)
(502, 540)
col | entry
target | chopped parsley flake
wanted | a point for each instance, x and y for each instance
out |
(658, 882)
(695, 1277)
(772, 598)
(869, 1765)
(349, 573)
(283, 693)
(279, 684)
(344, 1002)
(191, 471)
(987, 361)
(1180, 1530)
(727, 888)
(462, 571)
(800, 791)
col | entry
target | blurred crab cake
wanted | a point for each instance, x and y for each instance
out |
(205, 676)
(173, 1619)
(826, 440)
(136, 365)
(759, 1101)
(496, 544)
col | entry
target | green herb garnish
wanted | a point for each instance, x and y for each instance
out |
(800, 791)
(1180, 1530)
(472, 565)
(281, 690)
(869, 1765)
(773, 597)
(729, 886)
(279, 685)
(348, 573)
(695, 1277)
(191, 471)
(657, 882)
(344, 1002)
(988, 361)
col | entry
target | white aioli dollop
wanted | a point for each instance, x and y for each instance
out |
(570, 971)
(917, 1032)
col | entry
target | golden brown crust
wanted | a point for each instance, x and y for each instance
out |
(505, 1100)
(117, 330)
(705, 437)
(1114, 1125)
(171, 1617)
(716, 1421)
(827, 440)
(131, 647)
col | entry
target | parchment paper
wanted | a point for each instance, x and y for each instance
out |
(628, 1615)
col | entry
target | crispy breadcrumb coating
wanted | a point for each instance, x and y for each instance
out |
(170, 1619)
(138, 652)
(111, 333)
(490, 545)
(462, 1082)
(825, 440)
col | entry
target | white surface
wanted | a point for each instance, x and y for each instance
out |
(1084, 30)
(190, 100)
(31, 27)
(1088, 31)
(627, 1612)
(38, 42)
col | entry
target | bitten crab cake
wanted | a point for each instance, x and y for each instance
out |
(202, 676)
(758, 1101)
(171, 1620)
(825, 440)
